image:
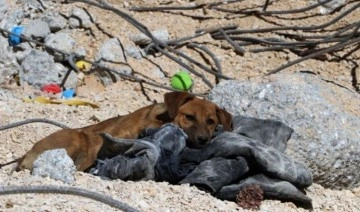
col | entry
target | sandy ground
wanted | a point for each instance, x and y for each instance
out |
(124, 97)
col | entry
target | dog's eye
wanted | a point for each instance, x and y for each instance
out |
(210, 121)
(190, 117)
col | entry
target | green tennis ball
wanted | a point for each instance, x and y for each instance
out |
(181, 81)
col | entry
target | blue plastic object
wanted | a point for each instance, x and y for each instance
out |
(68, 94)
(13, 38)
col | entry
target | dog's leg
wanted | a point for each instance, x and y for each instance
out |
(26, 162)
(89, 153)
(69, 139)
(83, 161)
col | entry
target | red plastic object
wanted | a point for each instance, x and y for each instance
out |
(51, 88)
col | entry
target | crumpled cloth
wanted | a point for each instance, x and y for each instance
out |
(253, 154)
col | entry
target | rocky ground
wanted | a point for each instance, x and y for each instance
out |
(123, 97)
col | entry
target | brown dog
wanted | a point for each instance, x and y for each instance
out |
(198, 118)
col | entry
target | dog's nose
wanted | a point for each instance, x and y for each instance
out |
(202, 140)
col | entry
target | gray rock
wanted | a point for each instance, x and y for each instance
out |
(48, 4)
(61, 41)
(74, 23)
(33, 6)
(111, 56)
(81, 52)
(45, 3)
(80, 18)
(12, 19)
(109, 77)
(39, 68)
(327, 134)
(157, 73)
(133, 52)
(3, 9)
(55, 21)
(5, 97)
(37, 29)
(142, 39)
(55, 164)
(71, 81)
(8, 62)
(25, 50)
(111, 51)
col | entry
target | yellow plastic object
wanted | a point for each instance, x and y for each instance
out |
(79, 102)
(83, 66)
(44, 100)
(39, 99)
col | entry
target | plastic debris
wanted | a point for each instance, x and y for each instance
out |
(14, 38)
(76, 102)
(51, 88)
(68, 94)
(83, 66)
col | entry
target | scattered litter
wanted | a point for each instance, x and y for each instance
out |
(40, 99)
(51, 88)
(14, 39)
(76, 102)
(68, 94)
(83, 66)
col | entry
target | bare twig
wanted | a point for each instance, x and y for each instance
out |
(159, 45)
(316, 54)
(306, 43)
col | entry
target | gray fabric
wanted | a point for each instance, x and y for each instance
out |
(226, 172)
(269, 132)
(228, 163)
(266, 159)
(272, 188)
(139, 159)
(135, 160)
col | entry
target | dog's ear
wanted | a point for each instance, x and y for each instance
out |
(225, 119)
(174, 100)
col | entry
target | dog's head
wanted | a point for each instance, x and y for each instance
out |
(197, 117)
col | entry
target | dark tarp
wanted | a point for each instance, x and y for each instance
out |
(252, 154)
